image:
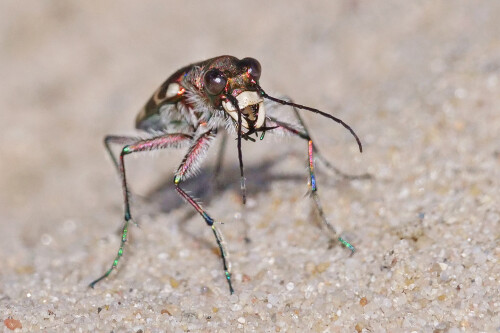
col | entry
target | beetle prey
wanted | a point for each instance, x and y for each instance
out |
(189, 108)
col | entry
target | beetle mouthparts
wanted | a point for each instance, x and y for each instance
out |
(252, 109)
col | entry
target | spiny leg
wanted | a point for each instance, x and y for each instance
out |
(312, 177)
(159, 142)
(186, 169)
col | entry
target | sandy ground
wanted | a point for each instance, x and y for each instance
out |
(418, 81)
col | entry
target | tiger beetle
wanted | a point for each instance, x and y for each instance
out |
(190, 108)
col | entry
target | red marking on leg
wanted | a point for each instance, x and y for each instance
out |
(311, 162)
(311, 166)
(158, 143)
(193, 155)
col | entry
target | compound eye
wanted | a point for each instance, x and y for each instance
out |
(215, 81)
(252, 66)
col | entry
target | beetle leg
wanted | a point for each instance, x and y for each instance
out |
(324, 160)
(312, 177)
(186, 169)
(131, 146)
(288, 101)
(118, 140)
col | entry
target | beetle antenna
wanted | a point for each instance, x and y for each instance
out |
(303, 107)
(234, 101)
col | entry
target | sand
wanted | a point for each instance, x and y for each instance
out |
(418, 81)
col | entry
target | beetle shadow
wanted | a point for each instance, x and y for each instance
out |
(206, 188)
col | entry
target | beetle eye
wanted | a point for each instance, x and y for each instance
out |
(252, 66)
(215, 81)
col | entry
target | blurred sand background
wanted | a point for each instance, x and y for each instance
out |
(418, 81)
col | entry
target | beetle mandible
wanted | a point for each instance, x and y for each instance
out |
(189, 108)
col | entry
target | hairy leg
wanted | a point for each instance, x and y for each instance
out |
(187, 168)
(133, 145)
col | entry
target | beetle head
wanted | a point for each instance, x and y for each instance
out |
(227, 81)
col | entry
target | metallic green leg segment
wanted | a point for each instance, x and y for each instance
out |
(192, 157)
(131, 146)
(347, 244)
(312, 177)
(210, 222)
(117, 140)
(117, 258)
(227, 268)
